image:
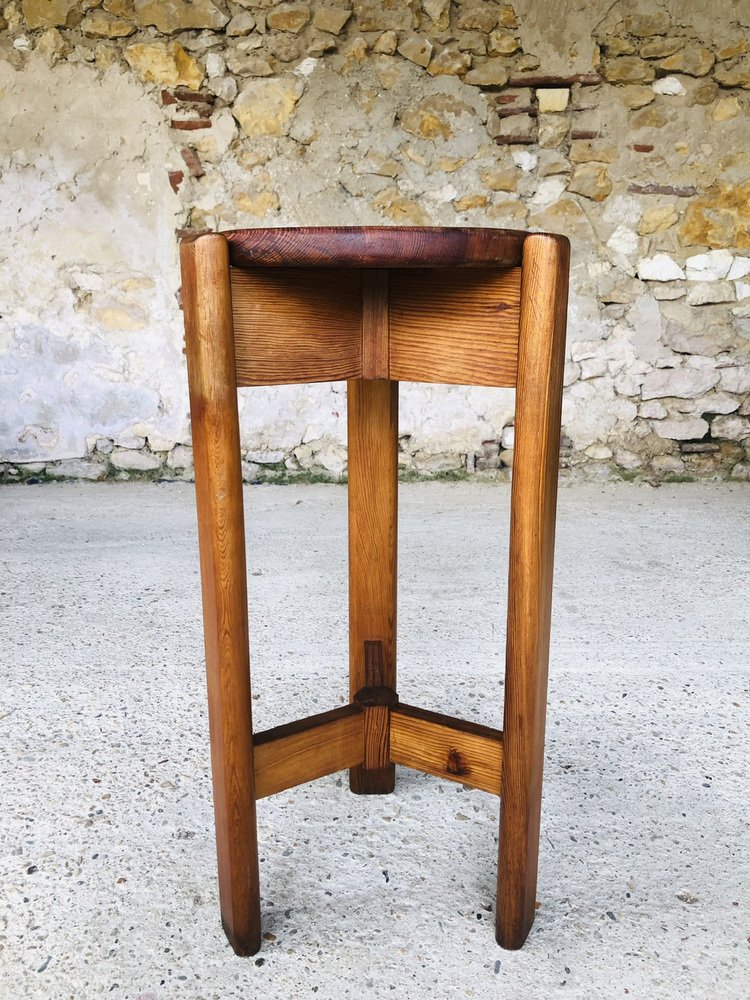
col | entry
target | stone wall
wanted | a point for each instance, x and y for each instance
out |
(623, 125)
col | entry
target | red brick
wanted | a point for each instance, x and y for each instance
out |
(191, 124)
(192, 161)
(176, 177)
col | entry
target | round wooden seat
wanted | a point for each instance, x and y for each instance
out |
(375, 246)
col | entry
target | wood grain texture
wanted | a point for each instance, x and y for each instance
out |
(307, 749)
(376, 702)
(377, 738)
(532, 536)
(458, 327)
(218, 485)
(373, 490)
(375, 246)
(375, 324)
(302, 325)
(447, 747)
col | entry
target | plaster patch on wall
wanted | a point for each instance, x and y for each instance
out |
(90, 338)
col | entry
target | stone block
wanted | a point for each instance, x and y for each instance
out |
(438, 462)
(740, 267)
(488, 457)
(382, 15)
(548, 191)
(265, 107)
(516, 129)
(734, 76)
(636, 97)
(588, 151)
(667, 464)
(378, 164)
(701, 92)
(613, 45)
(660, 267)
(628, 69)
(164, 63)
(730, 427)
(399, 208)
(553, 131)
(657, 219)
(682, 428)
(719, 218)
(668, 291)
(257, 204)
(469, 202)
(331, 19)
(693, 61)
(133, 442)
(628, 459)
(599, 452)
(489, 73)
(736, 378)
(215, 65)
(704, 331)
(130, 460)
(473, 42)
(416, 48)
(654, 116)
(733, 49)
(652, 409)
(51, 45)
(245, 62)
(449, 62)
(709, 292)
(179, 15)
(593, 368)
(711, 266)
(251, 473)
(659, 48)
(78, 468)
(668, 86)
(497, 179)
(99, 24)
(438, 11)
(331, 457)
(717, 402)
(592, 181)
(434, 117)
(288, 17)
(552, 99)
(726, 109)
(265, 457)
(502, 43)
(647, 25)
(386, 44)
(241, 24)
(482, 17)
(47, 13)
(683, 383)
(180, 457)
(225, 88)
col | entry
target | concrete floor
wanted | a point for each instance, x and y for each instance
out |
(107, 872)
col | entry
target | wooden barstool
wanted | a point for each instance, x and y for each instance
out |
(375, 306)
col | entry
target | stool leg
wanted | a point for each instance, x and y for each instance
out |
(532, 540)
(373, 487)
(218, 483)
